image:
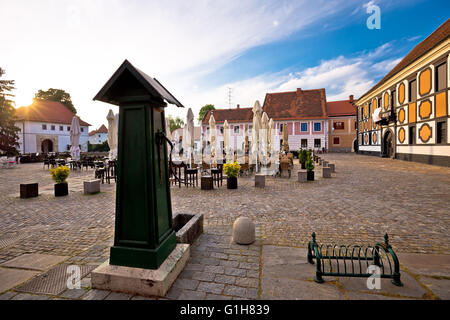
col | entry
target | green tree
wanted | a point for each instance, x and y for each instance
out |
(175, 123)
(56, 95)
(204, 110)
(8, 129)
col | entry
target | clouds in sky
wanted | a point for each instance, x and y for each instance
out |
(76, 46)
(341, 76)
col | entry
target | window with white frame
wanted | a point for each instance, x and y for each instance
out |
(304, 127)
(236, 129)
(317, 126)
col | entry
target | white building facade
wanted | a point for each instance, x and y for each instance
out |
(45, 127)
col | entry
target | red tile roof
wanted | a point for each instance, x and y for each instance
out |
(47, 111)
(438, 36)
(231, 115)
(102, 129)
(299, 104)
(340, 108)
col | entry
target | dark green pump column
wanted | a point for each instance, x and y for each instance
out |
(144, 236)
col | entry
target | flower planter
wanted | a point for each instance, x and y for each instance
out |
(61, 189)
(232, 183)
(188, 227)
(303, 165)
(310, 175)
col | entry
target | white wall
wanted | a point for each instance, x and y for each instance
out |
(98, 138)
(29, 130)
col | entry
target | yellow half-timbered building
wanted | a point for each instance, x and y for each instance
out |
(406, 114)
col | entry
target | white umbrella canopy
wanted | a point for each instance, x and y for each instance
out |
(263, 135)
(188, 134)
(168, 133)
(226, 142)
(255, 131)
(269, 136)
(112, 133)
(285, 138)
(212, 135)
(75, 132)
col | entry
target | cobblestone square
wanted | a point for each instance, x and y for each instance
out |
(365, 198)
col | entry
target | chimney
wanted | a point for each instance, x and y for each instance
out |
(237, 106)
(351, 98)
(299, 92)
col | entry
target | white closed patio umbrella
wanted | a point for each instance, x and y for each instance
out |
(269, 136)
(112, 134)
(226, 142)
(255, 132)
(75, 132)
(263, 136)
(188, 136)
(212, 136)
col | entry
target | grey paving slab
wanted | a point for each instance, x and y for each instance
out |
(7, 295)
(142, 298)
(27, 296)
(35, 261)
(440, 287)
(410, 288)
(10, 278)
(293, 289)
(286, 263)
(118, 296)
(95, 294)
(427, 264)
(367, 296)
(73, 293)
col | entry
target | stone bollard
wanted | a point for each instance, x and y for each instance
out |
(326, 172)
(332, 167)
(260, 181)
(302, 176)
(91, 186)
(243, 231)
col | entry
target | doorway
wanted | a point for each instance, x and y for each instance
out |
(388, 144)
(47, 146)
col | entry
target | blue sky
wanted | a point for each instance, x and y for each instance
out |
(198, 49)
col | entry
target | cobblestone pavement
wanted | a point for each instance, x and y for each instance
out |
(366, 197)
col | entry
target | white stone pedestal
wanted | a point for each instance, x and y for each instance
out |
(145, 282)
(302, 176)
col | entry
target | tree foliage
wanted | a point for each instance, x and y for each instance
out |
(56, 95)
(8, 129)
(103, 147)
(204, 110)
(175, 123)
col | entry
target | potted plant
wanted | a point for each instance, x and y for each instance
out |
(231, 170)
(309, 170)
(302, 156)
(59, 175)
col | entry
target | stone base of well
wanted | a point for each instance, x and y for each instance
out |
(145, 282)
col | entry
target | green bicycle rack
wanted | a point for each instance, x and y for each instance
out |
(343, 261)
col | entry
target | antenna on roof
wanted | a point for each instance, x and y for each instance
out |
(230, 89)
